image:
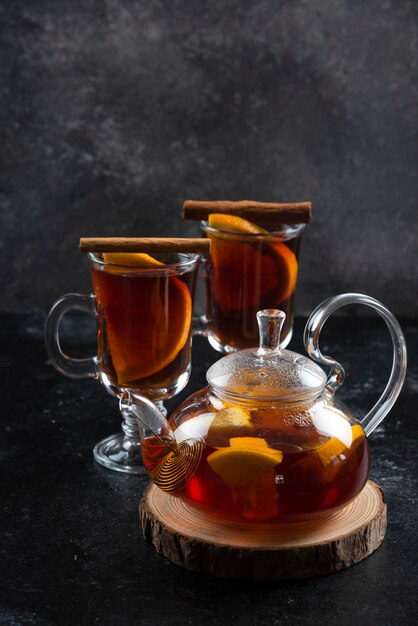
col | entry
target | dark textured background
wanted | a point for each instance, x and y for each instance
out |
(112, 112)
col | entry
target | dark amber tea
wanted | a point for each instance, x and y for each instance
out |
(144, 318)
(266, 465)
(250, 270)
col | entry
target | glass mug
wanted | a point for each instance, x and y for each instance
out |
(144, 330)
(246, 273)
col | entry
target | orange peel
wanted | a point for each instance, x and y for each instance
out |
(234, 224)
(329, 452)
(137, 259)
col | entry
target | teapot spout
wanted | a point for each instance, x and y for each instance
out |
(170, 464)
(150, 419)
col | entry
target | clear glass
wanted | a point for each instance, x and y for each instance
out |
(246, 273)
(144, 329)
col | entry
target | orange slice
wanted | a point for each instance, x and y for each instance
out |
(234, 224)
(148, 350)
(227, 419)
(138, 259)
(243, 463)
(226, 424)
(288, 262)
(148, 318)
(357, 433)
(334, 446)
(329, 452)
(279, 270)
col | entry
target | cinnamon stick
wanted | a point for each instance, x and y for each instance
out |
(144, 244)
(261, 212)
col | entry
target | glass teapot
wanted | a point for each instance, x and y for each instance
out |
(267, 440)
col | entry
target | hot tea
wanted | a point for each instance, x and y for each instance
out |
(144, 316)
(263, 464)
(250, 270)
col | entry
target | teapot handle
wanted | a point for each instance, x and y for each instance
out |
(336, 377)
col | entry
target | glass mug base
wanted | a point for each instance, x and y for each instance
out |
(111, 453)
(227, 349)
(156, 393)
(122, 452)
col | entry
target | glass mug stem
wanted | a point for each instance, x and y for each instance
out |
(313, 329)
(107, 450)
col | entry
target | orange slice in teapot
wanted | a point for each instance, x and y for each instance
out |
(244, 461)
(227, 423)
(231, 418)
(329, 452)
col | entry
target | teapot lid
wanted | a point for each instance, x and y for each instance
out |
(267, 373)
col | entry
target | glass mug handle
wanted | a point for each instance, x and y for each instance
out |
(69, 366)
(336, 377)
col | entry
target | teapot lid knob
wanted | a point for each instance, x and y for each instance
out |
(267, 373)
(270, 324)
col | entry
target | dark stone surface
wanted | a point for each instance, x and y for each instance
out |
(112, 113)
(71, 548)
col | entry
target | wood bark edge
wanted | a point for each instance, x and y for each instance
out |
(261, 212)
(253, 563)
(144, 244)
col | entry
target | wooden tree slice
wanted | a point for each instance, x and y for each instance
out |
(198, 541)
